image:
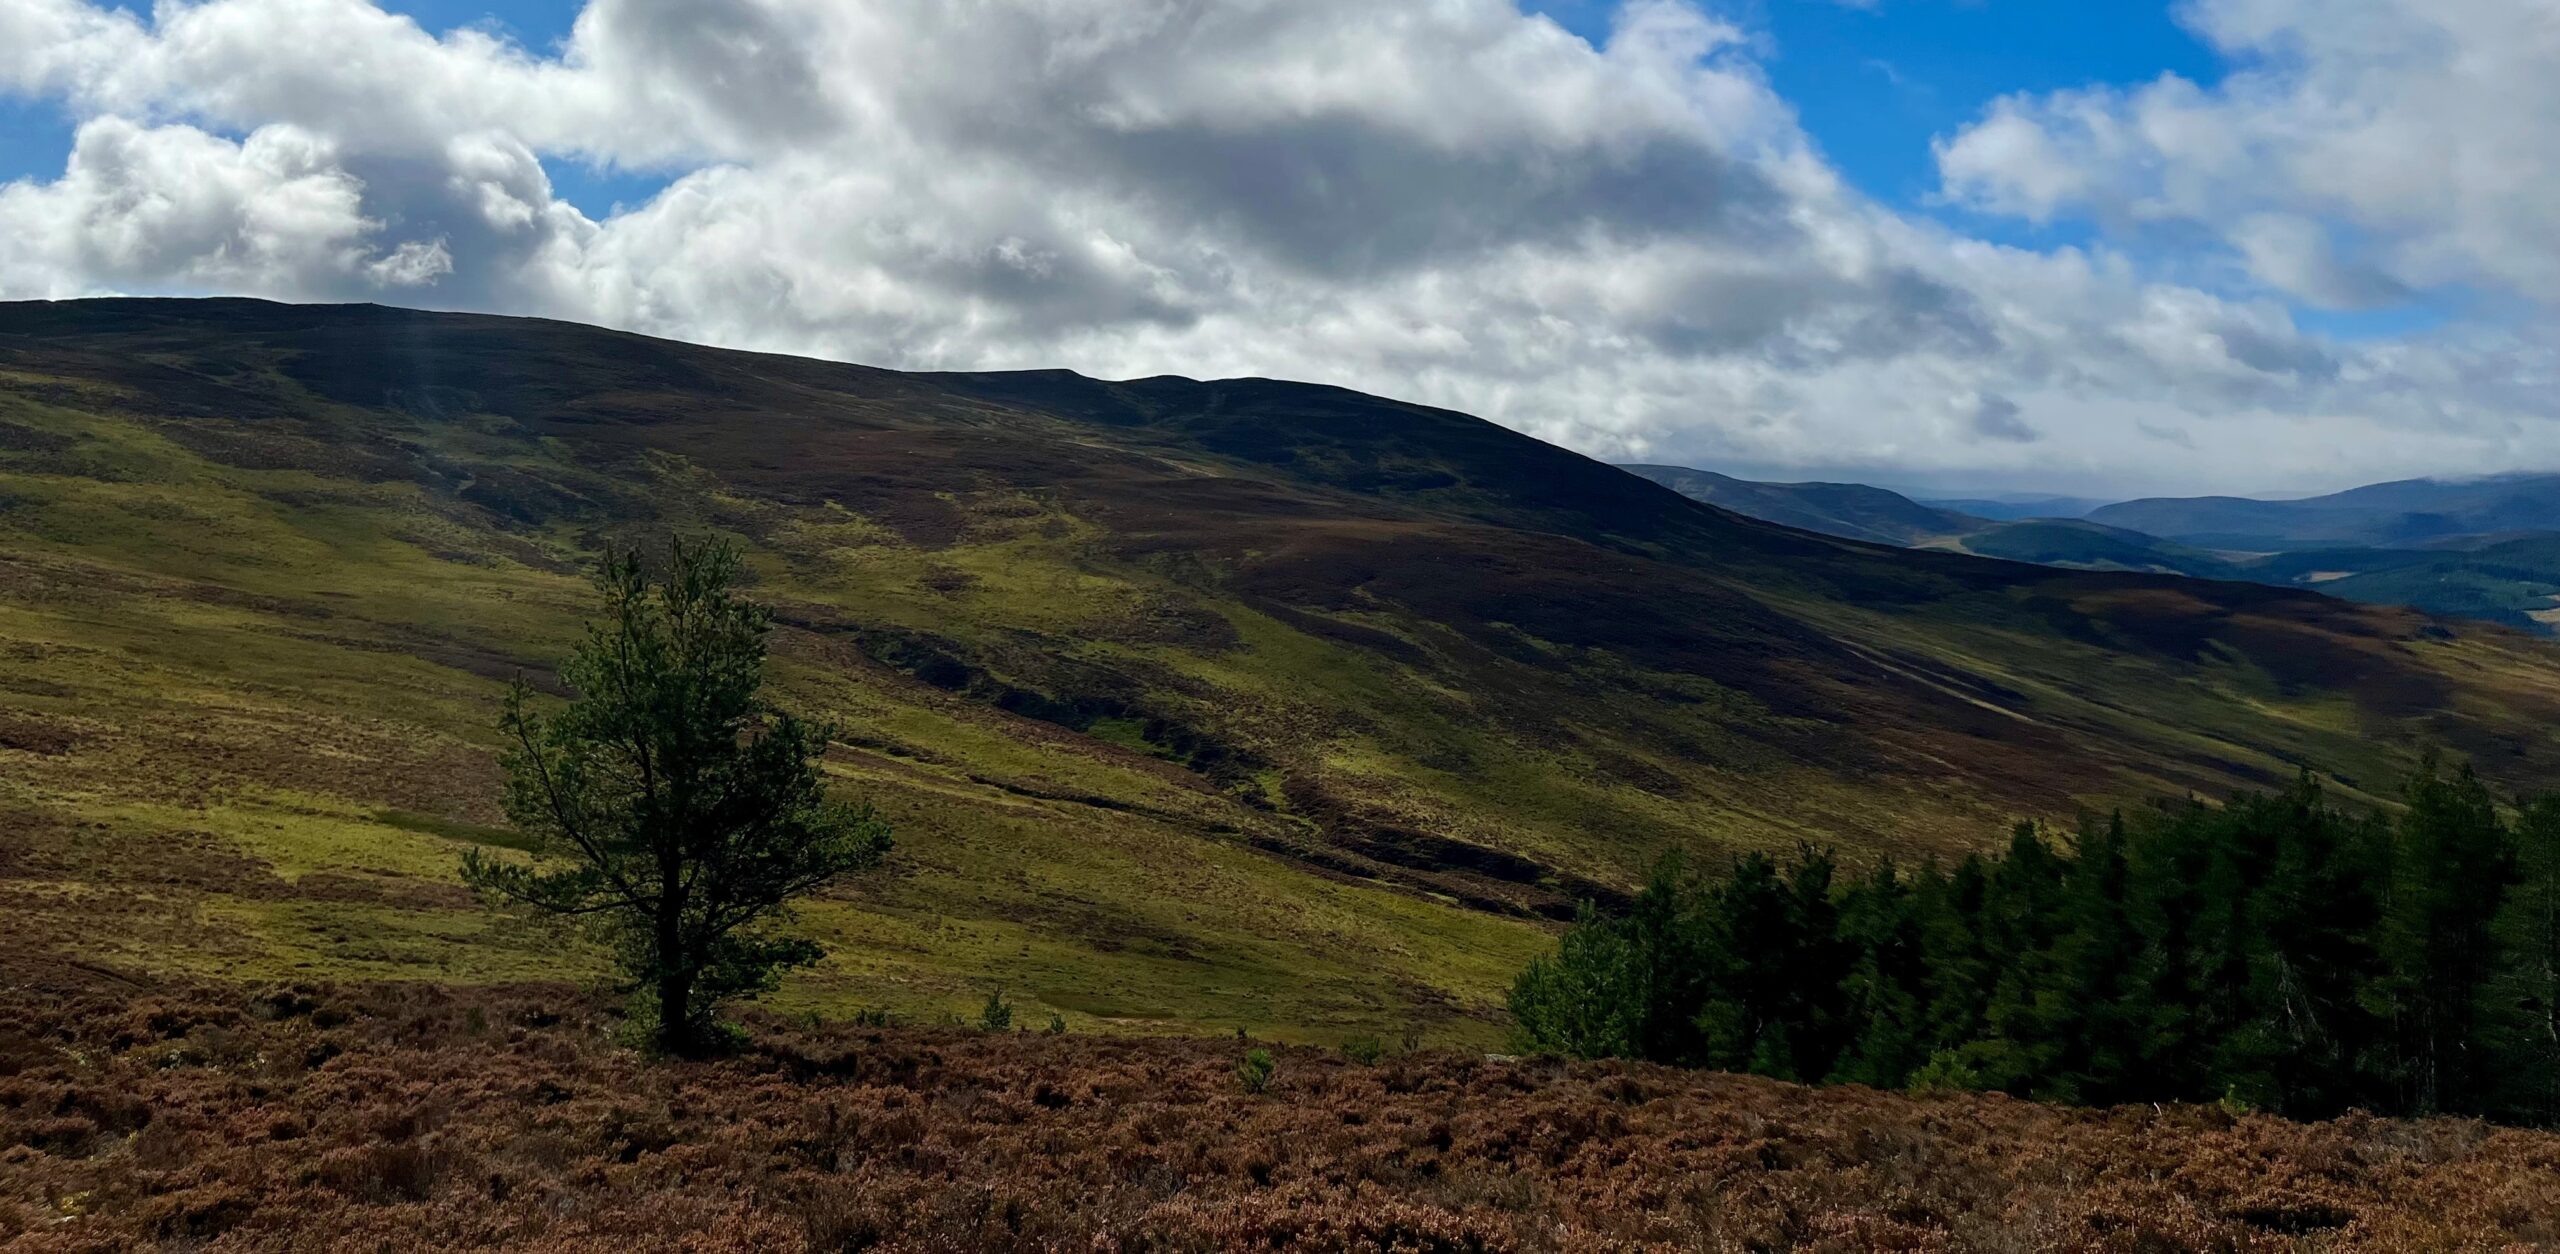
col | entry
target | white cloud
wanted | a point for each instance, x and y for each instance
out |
(2363, 148)
(1629, 248)
(145, 206)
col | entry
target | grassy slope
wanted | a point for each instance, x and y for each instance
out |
(1194, 704)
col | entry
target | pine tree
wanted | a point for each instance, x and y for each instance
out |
(2314, 913)
(1751, 939)
(1583, 1001)
(2086, 1002)
(680, 810)
(2273, 950)
(1626, 987)
(2526, 1034)
(1960, 970)
(2022, 914)
(2451, 868)
(1885, 980)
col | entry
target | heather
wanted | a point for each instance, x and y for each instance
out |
(211, 1116)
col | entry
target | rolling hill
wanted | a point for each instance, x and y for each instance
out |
(1195, 703)
(2380, 515)
(2008, 508)
(1855, 511)
(2506, 577)
(1852, 511)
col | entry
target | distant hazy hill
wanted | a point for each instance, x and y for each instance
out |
(1850, 510)
(2017, 507)
(2382, 515)
(2456, 552)
(1859, 512)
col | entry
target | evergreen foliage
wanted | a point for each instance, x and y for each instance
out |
(2276, 952)
(681, 810)
(1255, 1073)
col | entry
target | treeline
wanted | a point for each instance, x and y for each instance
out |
(2276, 951)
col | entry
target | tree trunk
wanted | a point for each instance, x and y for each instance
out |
(676, 1034)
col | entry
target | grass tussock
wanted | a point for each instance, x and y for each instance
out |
(412, 1117)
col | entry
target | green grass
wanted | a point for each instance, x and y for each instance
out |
(252, 680)
(1110, 917)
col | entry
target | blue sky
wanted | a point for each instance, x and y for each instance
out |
(1875, 83)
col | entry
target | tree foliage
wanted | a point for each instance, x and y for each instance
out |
(2276, 951)
(678, 809)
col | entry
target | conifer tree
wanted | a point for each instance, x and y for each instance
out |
(2089, 998)
(1886, 978)
(2274, 950)
(2528, 995)
(2450, 872)
(681, 810)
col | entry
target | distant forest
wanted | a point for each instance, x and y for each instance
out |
(2276, 952)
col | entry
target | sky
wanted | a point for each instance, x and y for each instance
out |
(2110, 249)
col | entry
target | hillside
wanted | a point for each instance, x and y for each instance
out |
(2007, 508)
(1217, 703)
(428, 1119)
(2407, 512)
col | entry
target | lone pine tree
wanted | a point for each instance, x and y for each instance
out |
(678, 809)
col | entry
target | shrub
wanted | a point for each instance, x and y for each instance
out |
(1364, 1050)
(997, 1016)
(1057, 1025)
(1255, 1072)
(1947, 1071)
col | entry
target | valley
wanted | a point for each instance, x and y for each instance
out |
(1195, 705)
(2479, 549)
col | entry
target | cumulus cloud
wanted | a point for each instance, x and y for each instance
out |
(151, 205)
(2364, 149)
(1630, 248)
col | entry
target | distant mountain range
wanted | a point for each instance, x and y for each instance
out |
(2482, 548)
(2010, 508)
(2408, 513)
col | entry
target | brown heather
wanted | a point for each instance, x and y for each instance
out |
(415, 1117)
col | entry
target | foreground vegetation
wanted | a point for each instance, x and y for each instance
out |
(406, 1117)
(2275, 952)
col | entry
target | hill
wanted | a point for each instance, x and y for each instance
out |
(2011, 508)
(2383, 515)
(2507, 579)
(1857, 512)
(1851, 511)
(2094, 546)
(2502, 577)
(423, 1119)
(1194, 703)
